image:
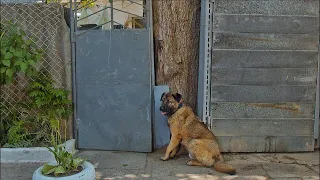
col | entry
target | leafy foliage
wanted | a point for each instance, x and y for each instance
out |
(66, 162)
(18, 52)
(13, 132)
(46, 105)
(50, 101)
(87, 3)
(50, 107)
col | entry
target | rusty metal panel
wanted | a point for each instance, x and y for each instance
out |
(264, 76)
(258, 41)
(264, 59)
(236, 110)
(263, 127)
(267, 94)
(266, 24)
(268, 7)
(266, 143)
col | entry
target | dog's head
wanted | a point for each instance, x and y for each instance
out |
(170, 103)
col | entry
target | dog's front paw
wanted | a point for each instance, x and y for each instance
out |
(164, 158)
(172, 155)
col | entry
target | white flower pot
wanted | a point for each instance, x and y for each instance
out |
(88, 173)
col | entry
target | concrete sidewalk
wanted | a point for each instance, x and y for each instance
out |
(128, 165)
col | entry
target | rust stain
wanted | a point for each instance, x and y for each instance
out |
(295, 108)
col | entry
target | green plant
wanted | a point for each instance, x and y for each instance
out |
(48, 107)
(13, 131)
(87, 3)
(52, 105)
(51, 101)
(17, 51)
(65, 161)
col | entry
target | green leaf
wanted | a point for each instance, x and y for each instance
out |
(28, 42)
(17, 63)
(48, 169)
(31, 62)
(18, 54)
(2, 70)
(38, 57)
(9, 80)
(19, 39)
(12, 49)
(59, 170)
(3, 49)
(8, 55)
(22, 33)
(9, 73)
(77, 162)
(23, 67)
(6, 62)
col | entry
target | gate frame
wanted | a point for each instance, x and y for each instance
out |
(73, 34)
(317, 106)
(205, 56)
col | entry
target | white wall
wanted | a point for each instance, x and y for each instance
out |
(119, 17)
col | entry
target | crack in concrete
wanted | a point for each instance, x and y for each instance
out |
(265, 171)
(282, 162)
(310, 167)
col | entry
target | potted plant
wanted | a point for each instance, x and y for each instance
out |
(66, 167)
(53, 105)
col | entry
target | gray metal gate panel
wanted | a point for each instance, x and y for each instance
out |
(113, 79)
(263, 74)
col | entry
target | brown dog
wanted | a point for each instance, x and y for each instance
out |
(186, 128)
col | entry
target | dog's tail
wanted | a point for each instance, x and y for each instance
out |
(224, 168)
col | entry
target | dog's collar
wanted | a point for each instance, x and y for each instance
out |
(180, 105)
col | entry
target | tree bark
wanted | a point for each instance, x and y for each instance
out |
(176, 30)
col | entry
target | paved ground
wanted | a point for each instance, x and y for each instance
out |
(126, 165)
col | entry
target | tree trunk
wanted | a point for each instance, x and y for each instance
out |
(176, 26)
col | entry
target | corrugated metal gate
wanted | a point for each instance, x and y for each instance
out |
(260, 61)
(113, 81)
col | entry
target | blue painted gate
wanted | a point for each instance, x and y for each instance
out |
(114, 84)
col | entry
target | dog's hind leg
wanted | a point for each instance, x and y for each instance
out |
(206, 160)
(194, 162)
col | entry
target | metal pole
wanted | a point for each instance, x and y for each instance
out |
(149, 27)
(73, 17)
(204, 73)
(111, 12)
(317, 108)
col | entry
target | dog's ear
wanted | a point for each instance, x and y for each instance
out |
(162, 96)
(177, 97)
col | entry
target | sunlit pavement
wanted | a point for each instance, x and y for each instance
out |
(128, 165)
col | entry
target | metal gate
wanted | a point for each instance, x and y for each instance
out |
(259, 66)
(113, 76)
